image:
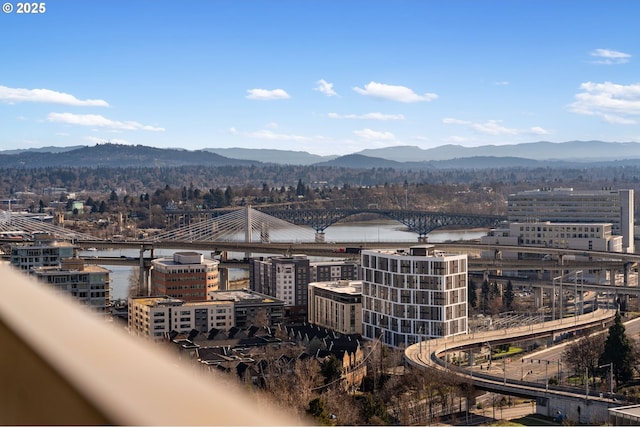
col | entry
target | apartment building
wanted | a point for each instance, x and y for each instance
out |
(566, 205)
(287, 278)
(336, 305)
(187, 276)
(156, 317)
(89, 284)
(40, 254)
(252, 308)
(413, 293)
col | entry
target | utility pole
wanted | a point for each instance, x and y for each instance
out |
(610, 366)
(504, 368)
(586, 370)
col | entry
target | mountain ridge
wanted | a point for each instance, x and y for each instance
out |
(535, 154)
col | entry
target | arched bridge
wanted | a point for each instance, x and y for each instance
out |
(420, 222)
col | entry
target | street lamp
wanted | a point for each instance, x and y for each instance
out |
(610, 365)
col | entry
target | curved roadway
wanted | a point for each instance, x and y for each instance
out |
(427, 355)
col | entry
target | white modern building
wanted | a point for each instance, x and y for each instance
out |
(557, 235)
(566, 205)
(411, 294)
(336, 305)
(156, 317)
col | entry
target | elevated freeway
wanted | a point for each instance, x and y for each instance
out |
(560, 263)
(579, 405)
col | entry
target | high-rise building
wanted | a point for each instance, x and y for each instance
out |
(415, 293)
(566, 205)
(336, 305)
(187, 276)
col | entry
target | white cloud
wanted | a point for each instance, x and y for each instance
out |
(272, 125)
(494, 127)
(272, 136)
(394, 93)
(613, 102)
(372, 135)
(325, 87)
(537, 130)
(367, 116)
(609, 57)
(233, 131)
(99, 121)
(502, 83)
(266, 94)
(618, 120)
(15, 95)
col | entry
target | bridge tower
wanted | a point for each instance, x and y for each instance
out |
(247, 224)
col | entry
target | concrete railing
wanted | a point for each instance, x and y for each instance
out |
(63, 365)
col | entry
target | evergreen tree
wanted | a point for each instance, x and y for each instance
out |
(473, 297)
(508, 296)
(228, 197)
(300, 189)
(318, 410)
(331, 369)
(619, 350)
(484, 295)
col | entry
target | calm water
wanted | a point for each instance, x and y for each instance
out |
(366, 232)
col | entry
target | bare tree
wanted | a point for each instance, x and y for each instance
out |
(134, 282)
(585, 353)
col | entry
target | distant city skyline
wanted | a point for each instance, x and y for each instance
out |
(325, 77)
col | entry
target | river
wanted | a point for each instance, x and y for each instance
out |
(364, 231)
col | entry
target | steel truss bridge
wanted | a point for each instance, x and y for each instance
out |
(419, 222)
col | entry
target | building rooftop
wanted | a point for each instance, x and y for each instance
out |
(168, 301)
(349, 287)
(157, 301)
(413, 251)
(243, 295)
(88, 268)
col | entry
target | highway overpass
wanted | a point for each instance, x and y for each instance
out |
(578, 406)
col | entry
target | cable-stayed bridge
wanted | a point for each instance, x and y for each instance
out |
(244, 225)
(257, 225)
(15, 224)
(265, 220)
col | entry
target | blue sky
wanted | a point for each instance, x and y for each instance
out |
(326, 77)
